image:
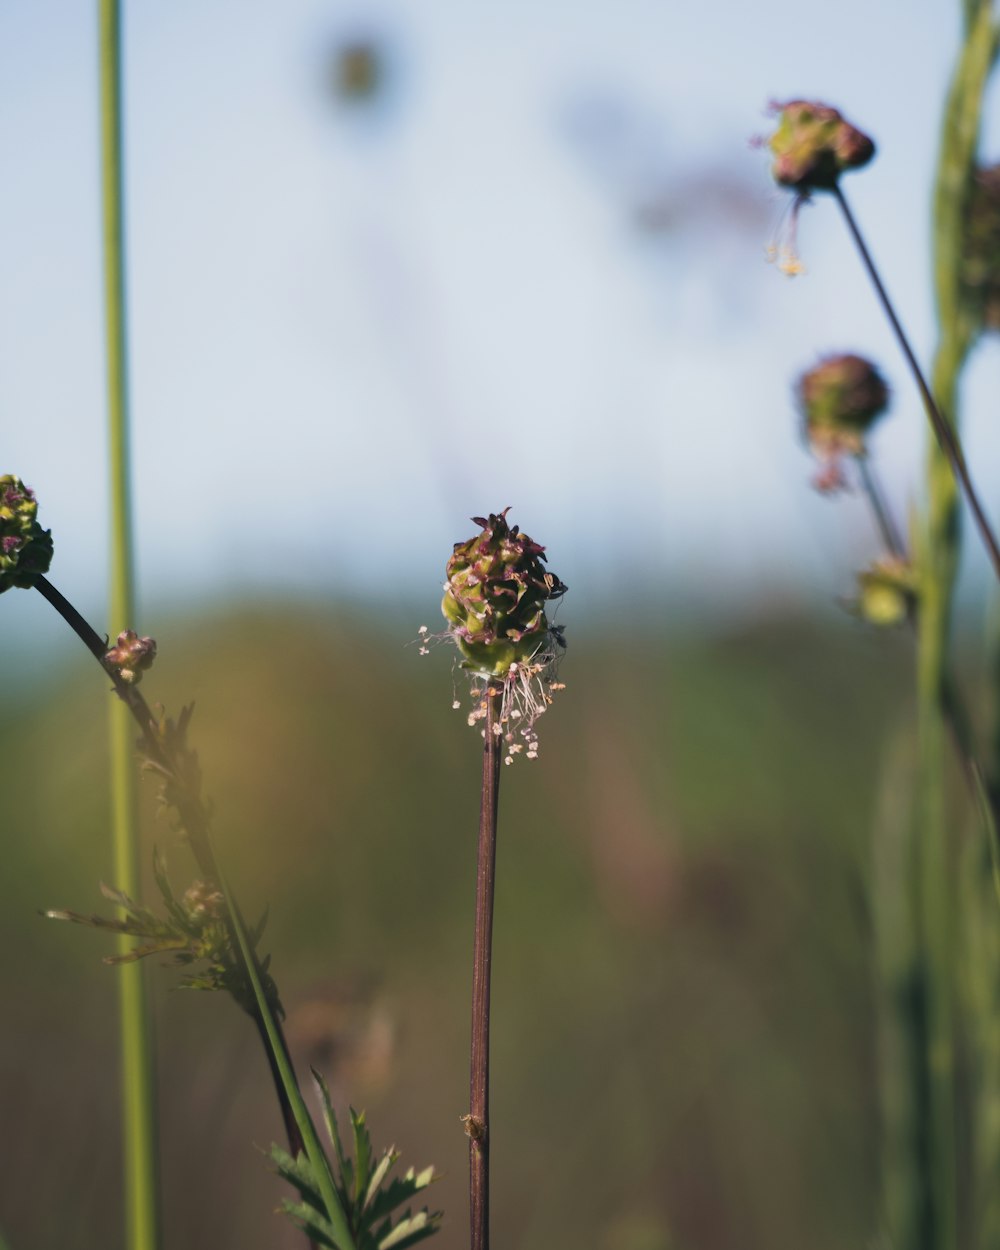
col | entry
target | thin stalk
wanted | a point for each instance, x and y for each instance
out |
(944, 430)
(194, 819)
(478, 1119)
(884, 520)
(954, 706)
(139, 1127)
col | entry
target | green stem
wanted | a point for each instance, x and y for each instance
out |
(278, 1050)
(194, 819)
(139, 1129)
(936, 877)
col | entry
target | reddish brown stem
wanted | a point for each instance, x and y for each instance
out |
(478, 1120)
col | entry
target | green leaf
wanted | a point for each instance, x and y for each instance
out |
(378, 1176)
(401, 1189)
(362, 1155)
(297, 1172)
(411, 1230)
(309, 1218)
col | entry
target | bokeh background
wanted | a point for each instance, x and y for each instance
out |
(392, 266)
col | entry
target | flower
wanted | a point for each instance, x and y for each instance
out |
(840, 399)
(495, 603)
(25, 548)
(813, 145)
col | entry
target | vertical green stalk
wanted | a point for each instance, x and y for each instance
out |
(936, 877)
(138, 1075)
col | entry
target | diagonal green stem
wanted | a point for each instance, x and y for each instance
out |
(139, 1129)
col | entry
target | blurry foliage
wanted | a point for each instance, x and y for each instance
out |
(683, 1003)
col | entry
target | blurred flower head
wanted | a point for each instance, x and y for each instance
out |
(840, 399)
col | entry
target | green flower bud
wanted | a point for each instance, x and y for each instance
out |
(25, 548)
(813, 145)
(981, 248)
(495, 597)
(840, 399)
(131, 656)
(887, 592)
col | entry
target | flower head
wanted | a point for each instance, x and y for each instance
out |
(25, 548)
(840, 399)
(495, 603)
(813, 145)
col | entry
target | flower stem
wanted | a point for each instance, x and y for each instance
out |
(944, 429)
(477, 1121)
(952, 703)
(139, 1129)
(194, 819)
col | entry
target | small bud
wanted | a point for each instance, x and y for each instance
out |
(25, 548)
(840, 399)
(813, 145)
(981, 248)
(131, 656)
(887, 592)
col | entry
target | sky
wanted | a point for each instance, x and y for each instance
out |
(530, 272)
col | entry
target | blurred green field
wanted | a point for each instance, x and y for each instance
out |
(684, 1006)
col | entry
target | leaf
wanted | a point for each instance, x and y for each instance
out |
(378, 1176)
(333, 1131)
(411, 1230)
(297, 1172)
(166, 892)
(309, 1218)
(401, 1189)
(362, 1154)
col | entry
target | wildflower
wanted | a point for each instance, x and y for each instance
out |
(813, 145)
(495, 604)
(840, 399)
(25, 548)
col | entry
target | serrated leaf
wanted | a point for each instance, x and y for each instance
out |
(362, 1154)
(411, 1230)
(378, 1176)
(174, 909)
(333, 1132)
(309, 1218)
(297, 1172)
(399, 1190)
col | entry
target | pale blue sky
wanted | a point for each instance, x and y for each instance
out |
(350, 333)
